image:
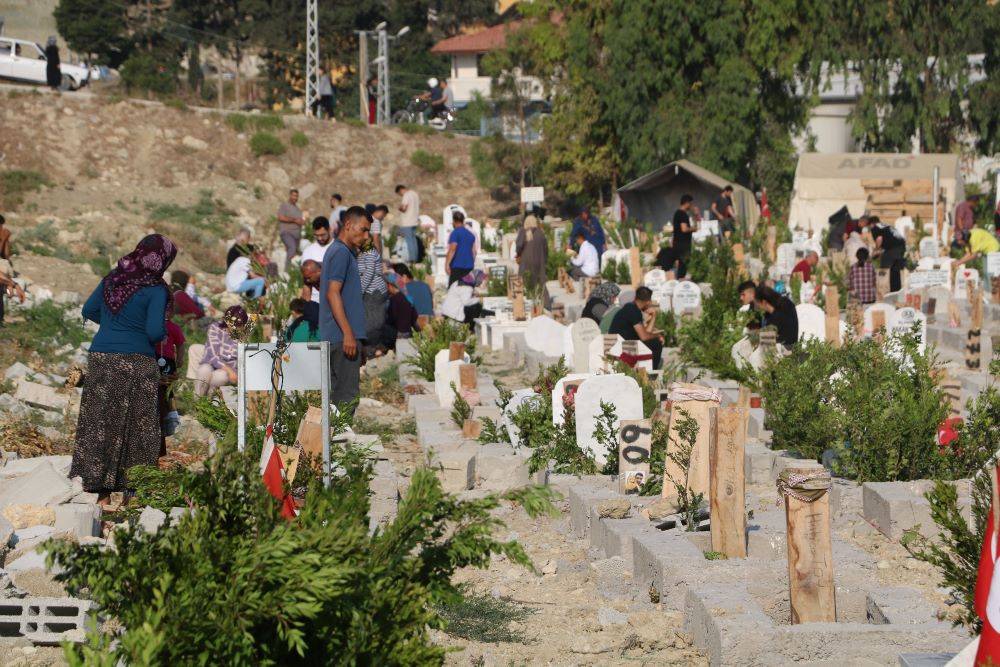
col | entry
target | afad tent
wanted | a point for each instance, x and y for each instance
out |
(655, 196)
(885, 184)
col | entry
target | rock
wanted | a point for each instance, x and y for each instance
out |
(660, 509)
(614, 508)
(40, 396)
(31, 560)
(151, 519)
(6, 533)
(365, 402)
(550, 567)
(883, 565)
(22, 467)
(17, 371)
(178, 513)
(306, 191)
(12, 406)
(607, 616)
(42, 486)
(194, 143)
(68, 298)
(24, 515)
(278, 177)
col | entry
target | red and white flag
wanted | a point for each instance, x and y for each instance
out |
(987, 599)
(765, 208)
(272, 469)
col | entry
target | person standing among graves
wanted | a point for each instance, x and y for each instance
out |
(290, 223)
(601, 299)
(461, 258)
(591, 228)
(119, 422)
(532, 253)
(724, 212)
(218, 364)
(53, 75)
(629, 323)
(965, 219)
(893, 247)
(587, 262)
(861, 280)
(778, 312)
(979, 244)
(682, 236)
(806, 265)
(374, 293)
(337, 209)
(409, 206)
(341, 308)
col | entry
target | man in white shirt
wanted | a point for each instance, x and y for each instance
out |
(409, 206)
(587, 263)
(337, 209)
(316, 250)
(241, 280)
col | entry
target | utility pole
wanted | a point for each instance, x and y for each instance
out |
(312, 55)
(383, 115)
(363, 73)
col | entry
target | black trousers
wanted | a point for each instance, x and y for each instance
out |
(656, 347)
(456, 275)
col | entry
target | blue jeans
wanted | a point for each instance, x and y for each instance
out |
(253, 285)
(409, 234)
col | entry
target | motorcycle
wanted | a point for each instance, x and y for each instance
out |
(415, 112)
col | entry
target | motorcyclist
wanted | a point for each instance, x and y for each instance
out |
(440, 97)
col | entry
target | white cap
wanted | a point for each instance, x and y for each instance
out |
(432, 82)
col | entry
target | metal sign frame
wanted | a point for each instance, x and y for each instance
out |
(254, 374)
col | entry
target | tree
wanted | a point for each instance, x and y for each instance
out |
(984, 96)
(97, 28)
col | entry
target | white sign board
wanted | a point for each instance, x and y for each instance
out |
(927, 278)
(529, 195)
(928, 247)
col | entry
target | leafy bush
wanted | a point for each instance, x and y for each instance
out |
(624, 274)
(460, 410)
(16, 183)
(439, 336)
(299, 139)
(797, 392)
(610, 270)
(432, 163)
(265, 143)
(470, 118)
(680, 454)
(151, 72)
(233, 582)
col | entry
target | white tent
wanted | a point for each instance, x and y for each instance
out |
(825, 182)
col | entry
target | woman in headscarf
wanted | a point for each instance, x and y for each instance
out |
(532, 252)
(602, 298)
(53, 75)
(218, 365)
(119, 423)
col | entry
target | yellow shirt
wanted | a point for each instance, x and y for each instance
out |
(983, 242)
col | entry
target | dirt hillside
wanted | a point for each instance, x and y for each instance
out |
(117, 169)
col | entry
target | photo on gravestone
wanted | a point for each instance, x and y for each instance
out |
(635, 439)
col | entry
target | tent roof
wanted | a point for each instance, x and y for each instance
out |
(666, 173)
(856, 166)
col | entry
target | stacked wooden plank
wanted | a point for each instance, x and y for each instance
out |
(891, 198)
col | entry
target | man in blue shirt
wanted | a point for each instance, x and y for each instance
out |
(591, 228)
(341, 309)
(461, 249)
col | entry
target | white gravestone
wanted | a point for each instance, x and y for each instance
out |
(517, 398)
(573, 380)
(634, 347)
(800, 240)
(785, 258)
(903, 321)
(655, 278)
(966, 280)
(610, 254)
(686, 297)
(545, 335)
(886, 308)
(444, 229)
(598, 352)
(807, 292)
(923, 278)
(992, 266)
(621, 391)
(741, 352)
(445, 373)
(812, 321)
(576, 344)
(928, 247)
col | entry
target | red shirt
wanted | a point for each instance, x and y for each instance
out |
(804, 268)
(167, 348)
(185, 305)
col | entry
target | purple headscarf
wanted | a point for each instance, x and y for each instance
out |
(143, 267)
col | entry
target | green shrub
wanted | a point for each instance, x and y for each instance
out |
(265, 143)
(624, 274)
(299, 139)
(431, 340)
(176, 103)
(416, 128)
(461, 410)
(353, 121)
(234, 583)
(470, 118)
(797, 393)
(16, 183)
(432, 163)
(610, 270)
(45, 327)
(242, 122)
(149, 72)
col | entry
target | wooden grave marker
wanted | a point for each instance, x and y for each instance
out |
(635, 440)
(952, 388)
(634, 267)
(995, 288)
(698, 472)
(727, 485)
(588, 286)
(954, 315)
(456, 351)
(467, 376)
(471, 428)
(878, 322)
(811, 590)
(833, 316)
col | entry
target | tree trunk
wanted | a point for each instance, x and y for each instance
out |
(220, 91)
(236, 78)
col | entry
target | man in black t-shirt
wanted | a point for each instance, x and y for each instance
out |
(682, 236)
(723, 210)
(628, 323)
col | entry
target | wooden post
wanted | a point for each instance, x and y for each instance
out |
(634, 267)
(810, 557)
(517, 304)
(727, 486)
(772, 243)
(995, 288)
(881, 284)
(456, 351)
(878, 321)
(833, 316)
(743, 399)
(467, 376)
(856, 317)
(471, 428)
(973, 349)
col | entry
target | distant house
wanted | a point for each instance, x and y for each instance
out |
(466, 53)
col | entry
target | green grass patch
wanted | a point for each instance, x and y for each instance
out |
(47, 326)
(194, 228)
(38, 241)
(432, 163)
(352, 121)
(242, 122)
(483, 618)
(176, 103)
(415, 128)
(16, 183)
(264, 143)
(299, 139)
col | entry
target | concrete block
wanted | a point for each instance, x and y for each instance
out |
(456, 467)
(894, 507)
(892, 605)
(515, 345)
(925, 659)
(616, 536)
(81, 520)
(6, 533)
(45, 620)
(488, 411)
(582, 499)
(42, 486)
(405, 349)
(151, 519)
(728, 624)
(418, 403)
(499, 468)
(34, 534)
(758, 461)
(41, 396)
(666, 560)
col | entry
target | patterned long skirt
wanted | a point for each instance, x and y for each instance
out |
(119, 424)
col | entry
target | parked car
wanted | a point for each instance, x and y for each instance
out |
(21, 60)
